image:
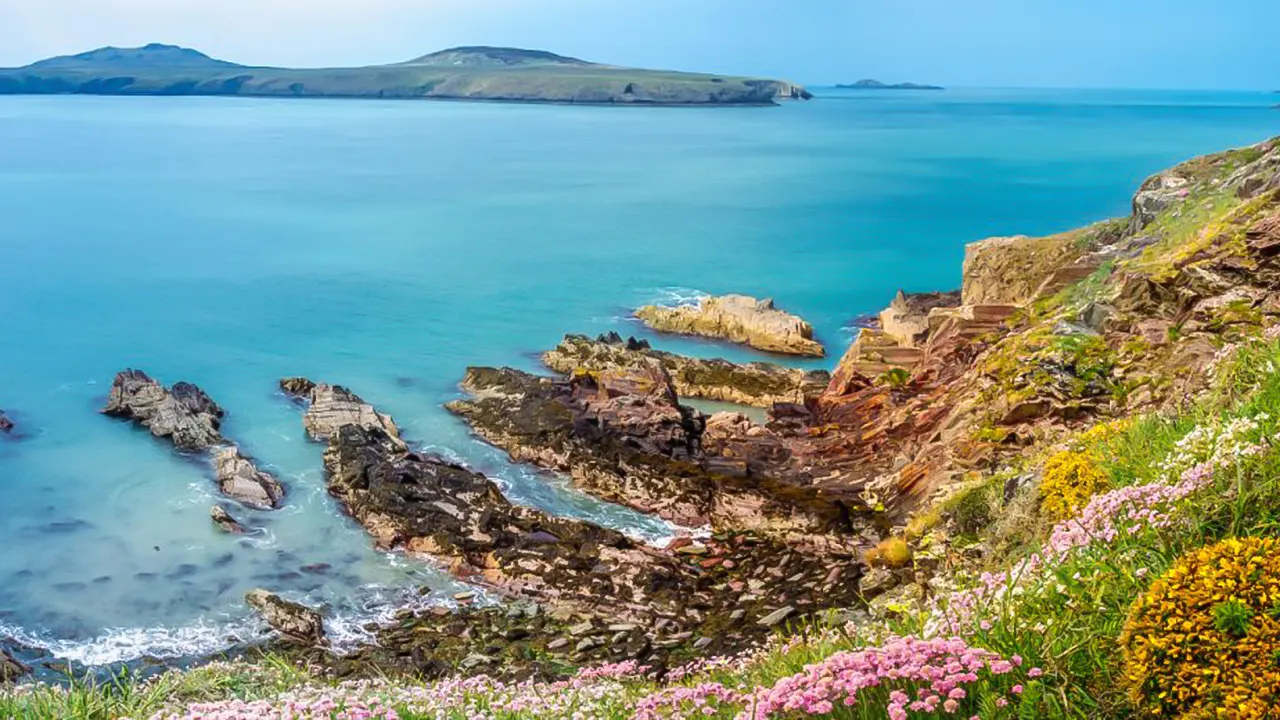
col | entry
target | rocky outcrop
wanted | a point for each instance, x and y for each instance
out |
(297, 623)
(759, 384)
(11, 670)
(623, 436)
(184, 414)
(737, 318)
(906, 320)
(192, 421)
(330, 407)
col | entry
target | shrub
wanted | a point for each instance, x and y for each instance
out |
(1070, 479)
(1205, 636)
(896, 378)
(892, 552)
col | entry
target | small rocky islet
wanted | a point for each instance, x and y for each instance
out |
(1045, 338)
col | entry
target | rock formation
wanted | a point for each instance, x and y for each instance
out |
(185, 414)
(428, 506)
(757, 383)
(297, 623)
(737, 318)
(622, 435)
(192, 421)
(329, 407)
(225, 521)
(11, 670)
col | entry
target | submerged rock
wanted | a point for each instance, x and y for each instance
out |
(740, 319)
(190, 419)
(224, 521)
(757, 383)
(6, 425)
(296, 622)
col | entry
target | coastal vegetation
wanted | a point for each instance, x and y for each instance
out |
(1054, 497)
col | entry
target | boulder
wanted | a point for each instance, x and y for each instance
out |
(760, 384)
(224, 521)
(1157, 194)
(184, 414)
(737, 318)
(295, 622)
(241, 480)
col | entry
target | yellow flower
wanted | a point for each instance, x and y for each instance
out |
(1070, 479)
(1193, 650)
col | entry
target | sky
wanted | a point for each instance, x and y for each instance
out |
(1192, 44)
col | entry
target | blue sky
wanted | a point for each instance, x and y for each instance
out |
(1028, 43)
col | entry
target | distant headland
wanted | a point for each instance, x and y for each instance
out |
(877, 85)
(462, 73)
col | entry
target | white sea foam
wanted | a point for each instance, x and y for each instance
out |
(119, 645)
(675, 296)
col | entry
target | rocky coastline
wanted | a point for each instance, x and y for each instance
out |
(853, 499)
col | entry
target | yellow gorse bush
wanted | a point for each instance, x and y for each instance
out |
(1204, 641)
(1071, 478)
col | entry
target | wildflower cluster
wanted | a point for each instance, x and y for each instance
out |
(924, 676)
(1071, 478)
(1123, 513)
(1205, 638)
(1218, 445)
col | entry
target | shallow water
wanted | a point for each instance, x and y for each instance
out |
(388, 245)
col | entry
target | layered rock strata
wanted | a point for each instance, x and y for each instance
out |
(297, 623)
(757, 383)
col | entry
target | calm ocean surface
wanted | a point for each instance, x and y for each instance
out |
(388, 245)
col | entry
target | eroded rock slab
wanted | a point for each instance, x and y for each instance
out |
(737, 318)
(294, 621)
(225, 521)
(11, 670)
(757, 383)
(192, 421)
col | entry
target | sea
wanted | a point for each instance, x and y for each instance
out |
(389, 245)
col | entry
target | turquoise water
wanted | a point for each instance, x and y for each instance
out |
(388, 245)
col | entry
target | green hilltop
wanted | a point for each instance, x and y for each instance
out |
(462, 73)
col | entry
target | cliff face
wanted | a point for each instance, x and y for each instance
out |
(1056, 332)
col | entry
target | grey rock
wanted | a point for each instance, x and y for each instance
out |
(224, 521)
(877, 581)
(558, 644)
(292, 620)
(776, 617)
(239, 479)
(10, 668)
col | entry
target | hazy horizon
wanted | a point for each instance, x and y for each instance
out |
(1006, 44)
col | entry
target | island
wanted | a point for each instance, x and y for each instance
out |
(463, 73)
(877, 85)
